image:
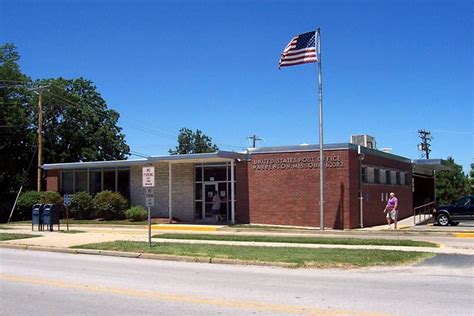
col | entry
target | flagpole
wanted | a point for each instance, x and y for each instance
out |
(321, 156)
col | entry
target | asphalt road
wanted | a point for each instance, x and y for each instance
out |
(48, 283)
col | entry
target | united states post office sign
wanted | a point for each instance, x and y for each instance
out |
(295, 163)
(148, 177)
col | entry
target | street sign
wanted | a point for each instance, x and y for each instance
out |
(148, 177)
(67, 200)
(149, 197)
(149, 201)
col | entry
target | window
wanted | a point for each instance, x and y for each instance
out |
(402, 178)
(81, 181)
(95, 181)
(67, 182)
(464, 201)
(109, 180)
(407, 179)
(215, 173)
(397, 177)
(363, 175)
(123, 182)
(376, 175)
(388, 178)
(197, 173)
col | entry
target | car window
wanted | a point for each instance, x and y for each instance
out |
(464, 201)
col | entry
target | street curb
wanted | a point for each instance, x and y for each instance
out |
(174, 258)
(110, 253)
(151, 256)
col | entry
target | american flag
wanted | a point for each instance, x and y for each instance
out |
(300, 50)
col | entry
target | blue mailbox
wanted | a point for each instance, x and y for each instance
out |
(50, 216)
(36, 216)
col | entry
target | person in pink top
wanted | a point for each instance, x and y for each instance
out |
(391, 209)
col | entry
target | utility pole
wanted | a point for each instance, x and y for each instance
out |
(39, 91)
(425, 145)
(254, 139)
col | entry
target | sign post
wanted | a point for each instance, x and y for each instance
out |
(148, 181)
(67, 202)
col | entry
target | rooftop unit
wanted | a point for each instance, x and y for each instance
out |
(364, 140)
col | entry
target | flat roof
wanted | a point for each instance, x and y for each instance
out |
(219, 156)
(335, 146)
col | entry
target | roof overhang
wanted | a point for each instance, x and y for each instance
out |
(427, 166)
(216, 157)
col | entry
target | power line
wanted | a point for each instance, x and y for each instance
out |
(254, 139)
(129, 123)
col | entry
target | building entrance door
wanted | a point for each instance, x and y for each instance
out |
(209, 188)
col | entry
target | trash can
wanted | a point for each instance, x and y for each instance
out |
(36, 216)
(50, 216)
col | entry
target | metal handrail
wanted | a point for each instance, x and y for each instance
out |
(421, 211)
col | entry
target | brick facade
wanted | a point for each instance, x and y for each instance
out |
(282, 188)
(376, 195)
(281, 192)
(52, 180)
(242, 193)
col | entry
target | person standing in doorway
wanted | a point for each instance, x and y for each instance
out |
(391, 209)
(216, 206)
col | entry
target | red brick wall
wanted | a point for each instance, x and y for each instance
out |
(291, 197)
(375, 194)
(52, 180)
(242, 193)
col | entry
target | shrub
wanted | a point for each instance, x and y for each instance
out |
(25, 202)
(49, 197)
(110, 205)
(136, 214)
(82, 205)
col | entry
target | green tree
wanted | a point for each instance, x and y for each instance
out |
(451, 184)
(471, 178)
(17, 134)
(77, 124)
(190, 142)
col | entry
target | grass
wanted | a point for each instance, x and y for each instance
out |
(7, 236)
(297, 257)
(301, 240)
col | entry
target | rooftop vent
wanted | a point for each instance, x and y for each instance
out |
(364, 140)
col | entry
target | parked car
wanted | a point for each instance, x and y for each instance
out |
(452, 214)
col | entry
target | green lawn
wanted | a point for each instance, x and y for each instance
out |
(301, 240)
(298, 257)
(7, 236)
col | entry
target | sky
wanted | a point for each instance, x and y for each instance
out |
(389, 68)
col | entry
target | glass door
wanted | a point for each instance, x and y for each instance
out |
(209, 189)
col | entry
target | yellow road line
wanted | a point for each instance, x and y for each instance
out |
(464, 235)
(237, 304)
